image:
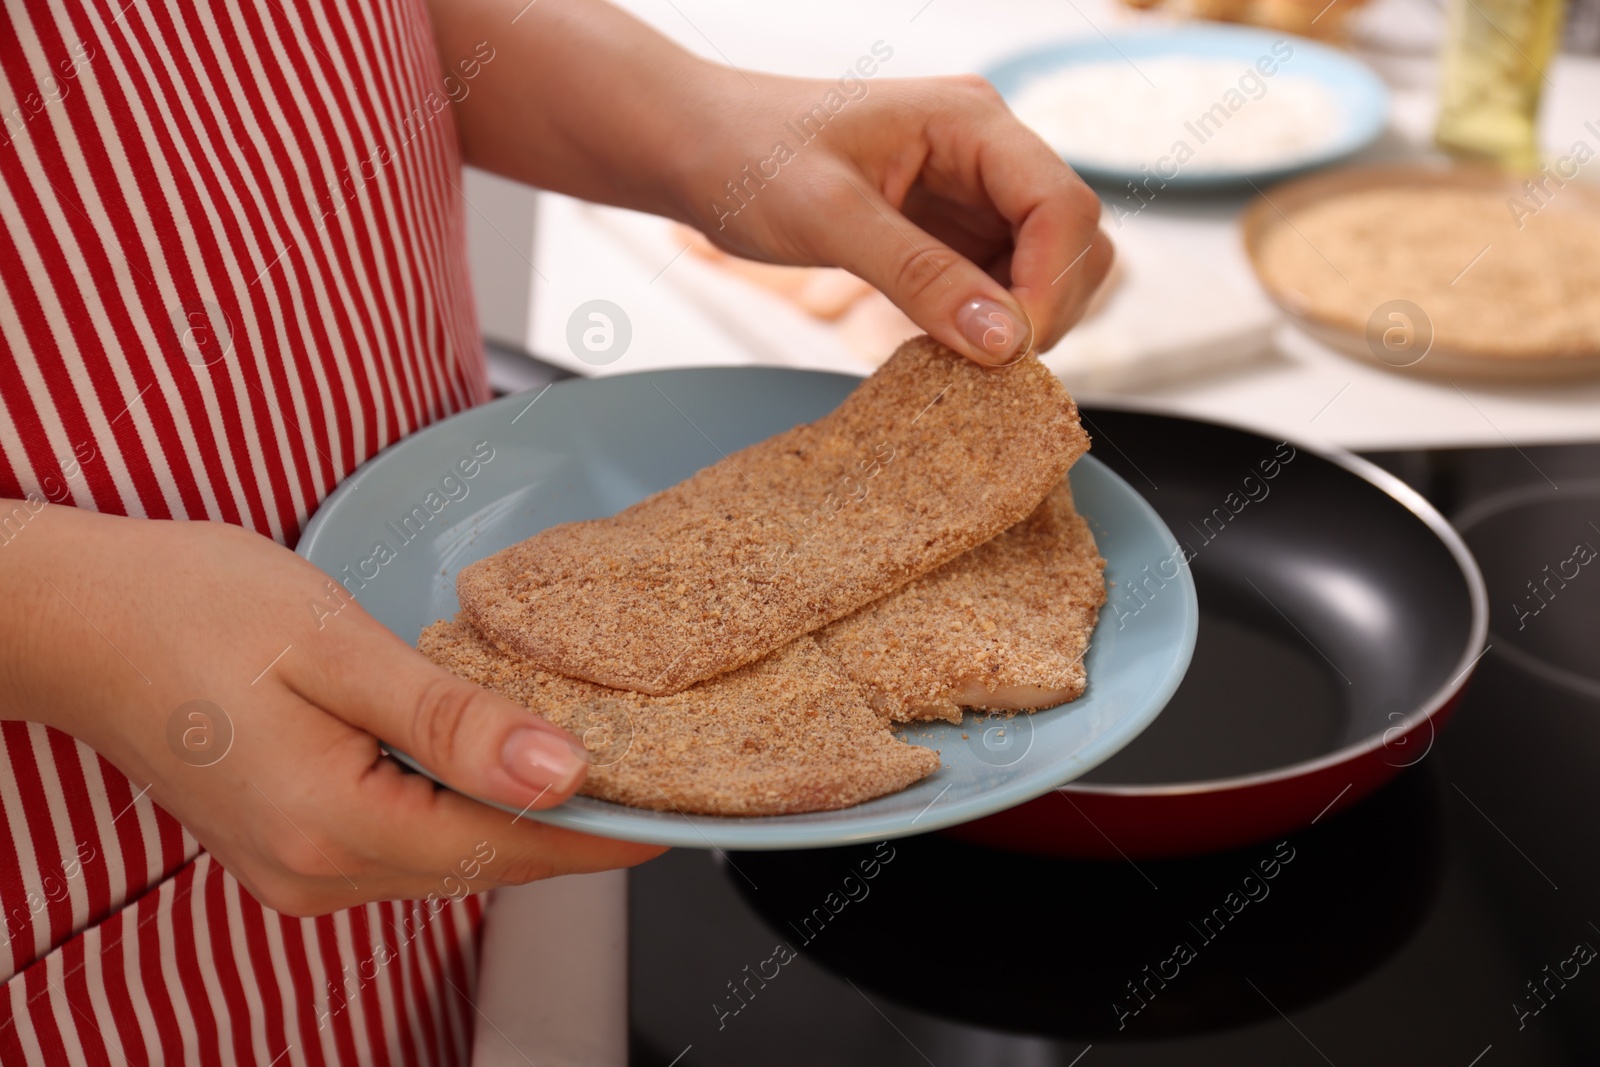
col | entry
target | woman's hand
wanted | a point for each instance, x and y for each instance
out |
(930, 189)
(250, 692)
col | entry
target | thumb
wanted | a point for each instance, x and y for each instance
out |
(940, 290)
(476, 741)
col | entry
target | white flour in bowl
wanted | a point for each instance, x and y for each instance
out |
(1179, 113)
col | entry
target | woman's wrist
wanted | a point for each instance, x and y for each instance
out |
(701, 150)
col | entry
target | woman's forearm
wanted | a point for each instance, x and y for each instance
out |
(53, 628)
(579, 97)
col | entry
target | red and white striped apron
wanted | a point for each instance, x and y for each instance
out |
(231, 270)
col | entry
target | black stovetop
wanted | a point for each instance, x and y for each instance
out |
(1447, 919)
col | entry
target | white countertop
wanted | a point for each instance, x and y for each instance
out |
(1298, 388)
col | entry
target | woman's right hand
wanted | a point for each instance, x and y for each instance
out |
(119, 626)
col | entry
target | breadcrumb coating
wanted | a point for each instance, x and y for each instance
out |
(929, 457)
(1003, 627)
(788, 734)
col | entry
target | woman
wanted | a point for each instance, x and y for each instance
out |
(231, 271)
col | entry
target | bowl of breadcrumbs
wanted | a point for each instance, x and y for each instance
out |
(1452, 271)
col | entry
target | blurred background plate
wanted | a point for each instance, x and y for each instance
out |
(587, 448)
(1359, 97)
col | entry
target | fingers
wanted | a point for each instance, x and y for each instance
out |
(1055, 270)
(992, 190)
(478, 742)
(382, 833)
(940, 290)
(1059, 254)
(443, 835)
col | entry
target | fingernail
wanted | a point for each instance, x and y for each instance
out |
(993, 330)
(541, 759)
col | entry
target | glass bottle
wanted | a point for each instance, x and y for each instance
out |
(1492, 75)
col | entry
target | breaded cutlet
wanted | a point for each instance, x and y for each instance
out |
(927, 458)
(788, 734)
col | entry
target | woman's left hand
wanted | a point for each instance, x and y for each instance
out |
(930, 189)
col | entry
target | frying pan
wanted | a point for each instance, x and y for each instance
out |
(1340, 617)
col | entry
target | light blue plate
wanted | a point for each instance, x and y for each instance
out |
(586, 448)
(1363, 99)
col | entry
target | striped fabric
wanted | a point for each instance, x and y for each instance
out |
(231, 270)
